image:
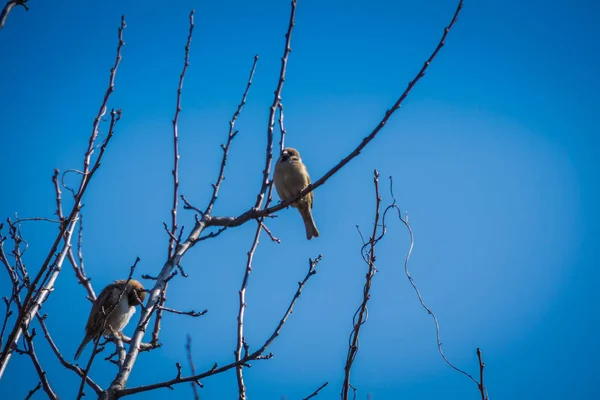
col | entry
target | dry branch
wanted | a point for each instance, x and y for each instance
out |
(31, 304)
(316, 392)
(10, 4)
(360, 317)
(256, 355)
(255, 212)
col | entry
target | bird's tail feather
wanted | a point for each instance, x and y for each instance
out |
(309, 223)
(84, 342)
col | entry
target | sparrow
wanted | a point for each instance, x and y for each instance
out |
(291, 177)
(99, 323)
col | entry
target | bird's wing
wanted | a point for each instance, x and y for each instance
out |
(103, 304)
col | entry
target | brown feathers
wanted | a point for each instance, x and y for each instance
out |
(291, 177)
(112, 310)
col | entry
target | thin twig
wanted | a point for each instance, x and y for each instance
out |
(361, 315)
(65, 363)
(281, 129)
(316, 392)
(118, 384)
(191, 313)
(176, 138)
(32, 391)
(19, 220)
(30, 350)
(481, 385)
(10, 4)
(276, 100)
(254, 212)
(232, 134)
(188, 350)
(27, 312)
(257, 355)
(240, 341)
(78, 269)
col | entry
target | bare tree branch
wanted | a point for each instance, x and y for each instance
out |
(173, 240)
(188, 349)
(27, 312)
(176, 137)
(32, 391)
(30, 350)
(481, 386)
(232, 134)
(65, 363)
(257, 355)
(360, 317)
(191, 313)
(316, 392)
(240, 341)
(10, 4)
(254, 212)
(78, 269)
(276, 100)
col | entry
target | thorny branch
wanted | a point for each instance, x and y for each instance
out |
(31, 305)
(361, 315)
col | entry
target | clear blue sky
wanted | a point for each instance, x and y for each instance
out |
(494, 155)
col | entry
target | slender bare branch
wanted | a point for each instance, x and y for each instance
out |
(10, 4)
(19, 220)
(176, 137)
(191, 313)
(240, 341)
(281, 129)
(481, 386)
(316, 392)
(95, 351)
(254, 212)
(232, 134)
(361, 315)
(77, 268)
(257, 355)
(276, 100)
(30, 350)
(63, 361)
(173, 241)
(26, 313)
(188, 350)
(32, 391)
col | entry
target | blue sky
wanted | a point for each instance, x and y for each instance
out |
(493, 156)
